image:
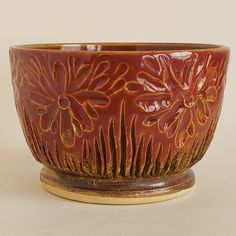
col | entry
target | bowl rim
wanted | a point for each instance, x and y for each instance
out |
(170, 47)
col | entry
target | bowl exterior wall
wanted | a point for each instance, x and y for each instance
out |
(118, 115)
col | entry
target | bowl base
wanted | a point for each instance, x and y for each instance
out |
(117, 192)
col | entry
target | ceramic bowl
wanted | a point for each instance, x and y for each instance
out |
(118, 123)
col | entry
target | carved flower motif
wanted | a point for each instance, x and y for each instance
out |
(67, 95)
(178, 91)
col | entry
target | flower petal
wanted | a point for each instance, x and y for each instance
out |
(98, 82)
(186, 128)
(91, 111)
(150, 83)
(169, 117)
(36, 75)
(202, 111)
(207, 111)
(153, 97)
(181, 138)
(59, 76)
(33, 64)
(191, 128)
(80, 114)
(116, 87)
(54, 127)
(153, 102)
(134, 87)
(151, 63)
(211, 94)
(39, 98)
(47, 118)
(41, 110)
(188, 69)
(66, 129)
(121, 70)
(202, 80)
(30, 77)
(101, 68)
(77, 127)
(95, 98)
(171, 131)
(82, 76)
(211, 73)
(71, 65)
(151, 120)
(221, 73)
(170, 74)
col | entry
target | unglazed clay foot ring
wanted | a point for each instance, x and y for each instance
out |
(107, 192)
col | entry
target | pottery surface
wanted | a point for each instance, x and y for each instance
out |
(118, 123)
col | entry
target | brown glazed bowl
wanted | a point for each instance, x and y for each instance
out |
(118, 123)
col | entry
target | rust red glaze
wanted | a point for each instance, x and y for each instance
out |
(121, 113)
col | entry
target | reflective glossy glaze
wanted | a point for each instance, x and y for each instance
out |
(119, 111)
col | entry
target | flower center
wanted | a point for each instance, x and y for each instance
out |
(188, 100)
(63, 102)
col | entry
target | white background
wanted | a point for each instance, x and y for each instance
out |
(26, 209)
